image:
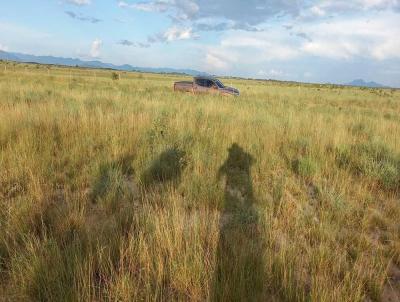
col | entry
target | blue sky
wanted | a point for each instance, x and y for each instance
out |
(303, 40)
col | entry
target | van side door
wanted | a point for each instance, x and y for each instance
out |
(210, 86)
(200, 86)
(213, 87)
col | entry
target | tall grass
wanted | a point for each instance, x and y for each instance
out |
(124, 190)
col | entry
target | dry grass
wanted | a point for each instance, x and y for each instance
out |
(123, 190)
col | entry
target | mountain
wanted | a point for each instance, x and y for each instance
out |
(362, 83)
(7, 56)
(19, 57)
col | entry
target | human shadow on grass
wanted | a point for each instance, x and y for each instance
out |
(166, 168)
(239, 270)
(71, 241)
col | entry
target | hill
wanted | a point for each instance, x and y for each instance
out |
(19, 57)
(362, 83)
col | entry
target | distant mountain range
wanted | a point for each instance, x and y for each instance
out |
(19, 57)
(362, 83)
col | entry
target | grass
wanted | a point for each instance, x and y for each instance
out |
(122, 190)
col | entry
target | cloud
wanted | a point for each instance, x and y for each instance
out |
(331, 49)
(217, 59)
(80, 17)
(344, 38)
(251, 12)
(95, 49)
(3, 47)
(317, 11)
(235, 14)
(272, 72)
(173, 33)
(156, 6)
(303, 36)
(215, 62)
(217, 25)
(182, 9)
(79, 2)
(249, 15)
(133, 44)
(272, 45)
(337, 7)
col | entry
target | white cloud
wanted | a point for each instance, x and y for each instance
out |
(355, 37)
(272, 73)
(346, 6)
(268, 45)
(341, 39)
(181, 9)
(3, 47)
(251, 49)
(388, 49)
(95, 49)
(214, 62)
(174, 33)
(276, 72)
(218, 59)
(156, 6)
(332, 49)
(317, 11)
(79, 2)
(187, 9)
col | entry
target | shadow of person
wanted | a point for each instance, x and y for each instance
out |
(167, 168)
(239, 271)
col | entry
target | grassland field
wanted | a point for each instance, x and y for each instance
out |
(122, 190)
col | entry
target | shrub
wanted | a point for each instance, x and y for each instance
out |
(361, 130)
(304, 166)
(372, 160)
(112, 185)
(115, 76)
(301, 146)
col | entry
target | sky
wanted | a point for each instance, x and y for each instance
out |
(322, 41)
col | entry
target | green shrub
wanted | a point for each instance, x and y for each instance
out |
(115, 76)
(373, 160)
(304, 166)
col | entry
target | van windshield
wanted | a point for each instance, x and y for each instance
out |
(219, 83)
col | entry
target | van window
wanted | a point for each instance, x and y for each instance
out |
(219, 83)
(209, 83)
(201, 82)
